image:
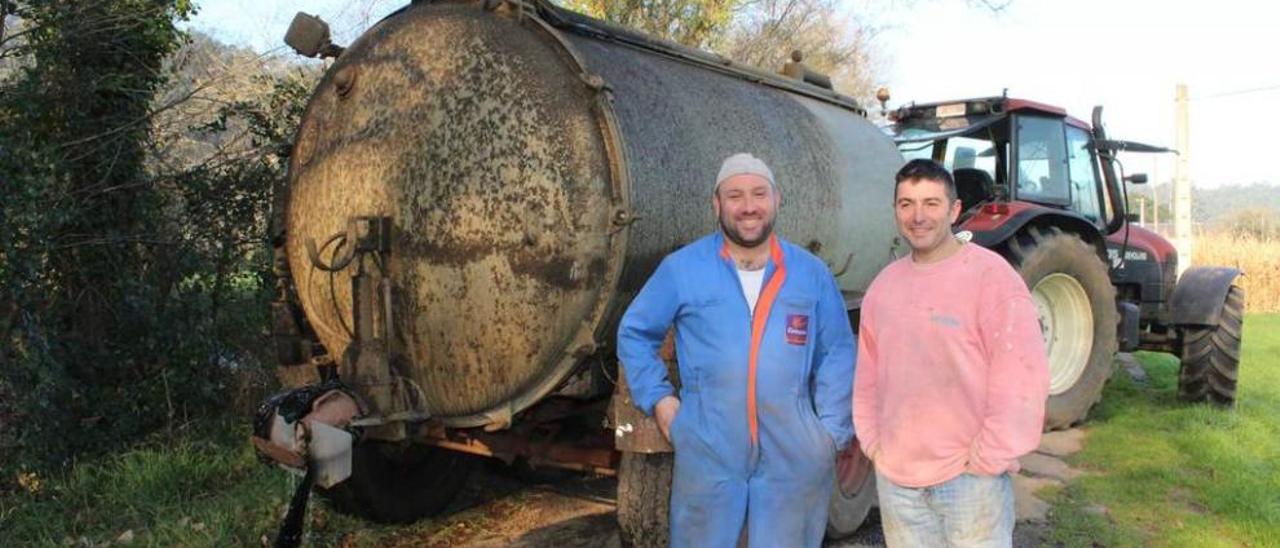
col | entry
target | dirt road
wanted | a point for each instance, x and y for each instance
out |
(499, 508)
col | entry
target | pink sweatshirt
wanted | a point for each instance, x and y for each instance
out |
(952, 374)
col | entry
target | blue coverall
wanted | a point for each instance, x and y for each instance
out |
(766, 455)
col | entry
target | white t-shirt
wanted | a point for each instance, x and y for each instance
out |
(751, 282)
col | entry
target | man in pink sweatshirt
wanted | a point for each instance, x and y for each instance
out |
(952, 377)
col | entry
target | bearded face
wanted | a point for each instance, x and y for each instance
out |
(746, 206)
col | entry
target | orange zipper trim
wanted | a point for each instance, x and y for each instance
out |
(760, 318)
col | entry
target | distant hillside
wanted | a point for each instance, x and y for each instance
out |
(1211, 206)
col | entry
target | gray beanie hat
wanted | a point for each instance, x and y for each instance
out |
(743, 164)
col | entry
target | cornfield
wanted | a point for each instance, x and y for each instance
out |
(1259, 258)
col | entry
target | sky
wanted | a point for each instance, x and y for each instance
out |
(1127, 55)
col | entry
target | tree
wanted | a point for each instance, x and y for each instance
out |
(138, 168)
(76, 241)
(762, 33)
(694, 23)
(768, 31)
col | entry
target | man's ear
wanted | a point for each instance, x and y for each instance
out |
(955, 210)
(715, 202)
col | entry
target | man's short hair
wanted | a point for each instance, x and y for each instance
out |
(922, 169)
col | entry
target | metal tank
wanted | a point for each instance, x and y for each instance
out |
(535, 166)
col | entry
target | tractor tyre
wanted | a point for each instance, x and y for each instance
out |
(644, 498)
(1075, 302)
(1211, 355)
(394, 483)
(854, 493)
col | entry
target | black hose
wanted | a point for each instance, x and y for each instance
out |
(339, 262)
(292, 529)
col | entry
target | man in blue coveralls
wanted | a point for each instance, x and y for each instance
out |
(766, 360)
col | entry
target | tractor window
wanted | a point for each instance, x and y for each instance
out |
(1084, 180)
(967, 152)
(960, 153)
(1041, 162)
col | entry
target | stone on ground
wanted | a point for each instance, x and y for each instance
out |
(1062, 443)
(1133, 368)
(1027, 506)
(1038, 465)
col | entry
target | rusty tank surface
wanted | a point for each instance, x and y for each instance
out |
(535, 165)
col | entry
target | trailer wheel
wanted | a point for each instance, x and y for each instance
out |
(644, 498)
(854, 493)
(1211, 355)
(392, 483)
(1075, 301)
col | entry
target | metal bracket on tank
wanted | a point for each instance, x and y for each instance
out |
(622, 218)
(848, 260)
(594, 81)
(498, 419)
(367, 361)
(518, 6)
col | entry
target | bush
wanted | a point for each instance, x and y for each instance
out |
(133, 289)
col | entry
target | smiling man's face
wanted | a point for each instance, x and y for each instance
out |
(925, 214)
(746, 206)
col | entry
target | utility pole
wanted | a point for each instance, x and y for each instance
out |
(1142, 211)
(1182, 184)
(1155, 193)
(1155, 208)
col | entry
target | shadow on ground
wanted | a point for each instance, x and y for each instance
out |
(502, 509)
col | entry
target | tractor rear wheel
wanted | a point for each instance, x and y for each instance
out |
(393, 483)
(644, 498)
(1075, 301)
(1211, 355)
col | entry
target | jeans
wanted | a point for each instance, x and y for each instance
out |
(967, 510)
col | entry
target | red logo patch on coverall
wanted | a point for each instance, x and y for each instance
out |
(797, 329)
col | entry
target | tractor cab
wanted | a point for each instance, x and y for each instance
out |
(1003, 150)
(1014, 157)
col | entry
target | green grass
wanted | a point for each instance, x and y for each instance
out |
(205, 489)
(1166, 473)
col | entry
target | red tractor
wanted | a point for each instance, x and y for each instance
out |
(1046, 191)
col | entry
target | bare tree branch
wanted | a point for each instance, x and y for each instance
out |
(840, 46)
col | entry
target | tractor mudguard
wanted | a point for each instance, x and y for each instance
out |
(1199, 296)
(992, 229)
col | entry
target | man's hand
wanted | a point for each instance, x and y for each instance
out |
(873, 455)
(665, 412)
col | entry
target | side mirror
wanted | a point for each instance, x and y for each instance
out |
(1137, 178)
(1132, 217)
